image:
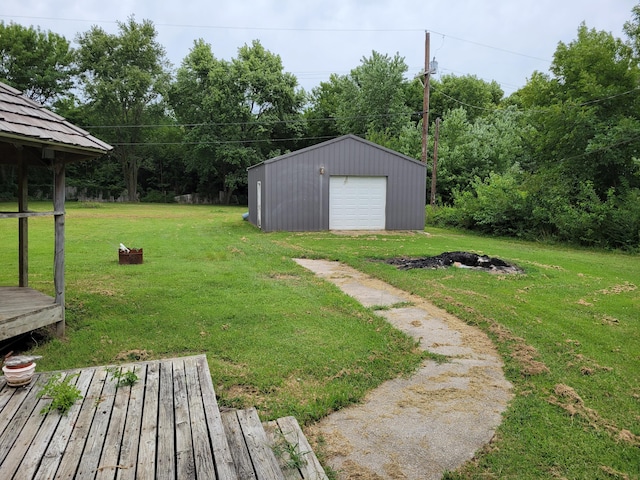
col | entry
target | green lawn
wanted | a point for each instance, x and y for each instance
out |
(278, 338)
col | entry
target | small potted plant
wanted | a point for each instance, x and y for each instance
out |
(19, 369)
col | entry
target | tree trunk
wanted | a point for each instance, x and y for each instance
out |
(228, 193)
(132, 181)
(130, 167)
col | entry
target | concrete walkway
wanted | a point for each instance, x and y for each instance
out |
(434, 421)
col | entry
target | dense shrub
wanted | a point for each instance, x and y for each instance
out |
(496, 205)
(156, 196)
(528, 206)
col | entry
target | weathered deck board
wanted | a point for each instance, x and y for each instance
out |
(166, 462)
(24, 309)
(116, 432)
(239, 452)
(132, 429)
(288, 430)
(185, 466)
(56, 448)
(251, 449)
(219, 443)
(167, 425)
(203, 454)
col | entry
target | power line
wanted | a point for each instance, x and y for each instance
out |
(259, 122)
(334, 119)
(493, 48)
(291, 29)
(583, 104)
(228, 142)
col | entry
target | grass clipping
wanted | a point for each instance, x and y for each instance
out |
(568, 399)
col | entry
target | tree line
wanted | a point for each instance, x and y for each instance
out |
(557, 159)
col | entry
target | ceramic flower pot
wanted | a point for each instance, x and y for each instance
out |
(19, 376)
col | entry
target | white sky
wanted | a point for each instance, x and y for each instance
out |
(502, 40)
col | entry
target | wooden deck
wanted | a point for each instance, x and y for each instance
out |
(24, 309)
(166, 426)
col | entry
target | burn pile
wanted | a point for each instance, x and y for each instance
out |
(457, 259)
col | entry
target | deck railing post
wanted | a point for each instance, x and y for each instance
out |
(58, 259)
(23, 222)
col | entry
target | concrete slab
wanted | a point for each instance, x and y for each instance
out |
(421, 426)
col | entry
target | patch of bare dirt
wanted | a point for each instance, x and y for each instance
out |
(132, 356)
(609, 320)
(355, 471)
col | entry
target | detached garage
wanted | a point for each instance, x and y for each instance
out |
(344, 184)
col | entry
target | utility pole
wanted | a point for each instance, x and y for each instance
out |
(435, 163)
(425, 103)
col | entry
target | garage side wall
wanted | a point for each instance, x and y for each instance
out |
(297, 193)
(255, 175)
(295, 187)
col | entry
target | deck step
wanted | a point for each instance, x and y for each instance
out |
(294, 454)
(276, 450)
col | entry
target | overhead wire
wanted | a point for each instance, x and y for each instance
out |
(310, 29)
(333, 119)
(293, 29)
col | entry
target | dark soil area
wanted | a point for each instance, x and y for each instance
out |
(457, 259)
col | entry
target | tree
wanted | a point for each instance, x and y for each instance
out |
(477, 97)
(583, 118)
(321, 115)
(372, 96)
(237, 113)
(474, 150)
(274, 103)
(39, 64)
(122, 76)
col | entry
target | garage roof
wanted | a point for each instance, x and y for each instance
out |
(335, 140)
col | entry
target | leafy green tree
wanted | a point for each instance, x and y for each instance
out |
(122, 77)
(414, 99)
(468, 150)
(372, 96)
(321, 115)
(270, 97)
(477, 97)
(579, 130)
(583, 117)
(163, 173)
(39, 64)
(236, 113)
(407, 142)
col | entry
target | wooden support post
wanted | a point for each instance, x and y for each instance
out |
(23, 223)
(58, 258)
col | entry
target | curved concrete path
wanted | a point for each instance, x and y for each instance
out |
(434, 421)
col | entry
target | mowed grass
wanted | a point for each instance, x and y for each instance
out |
(569, 333)
(279, 339)
(275, 336)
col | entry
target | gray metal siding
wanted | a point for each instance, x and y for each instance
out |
(255, 175)
(296, 195)
(296, 191)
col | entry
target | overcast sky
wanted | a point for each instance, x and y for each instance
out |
(501, 40)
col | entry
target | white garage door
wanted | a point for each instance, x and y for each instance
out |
(357, 203)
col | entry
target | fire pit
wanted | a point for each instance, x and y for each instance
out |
(130, 256)
(457, 259)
